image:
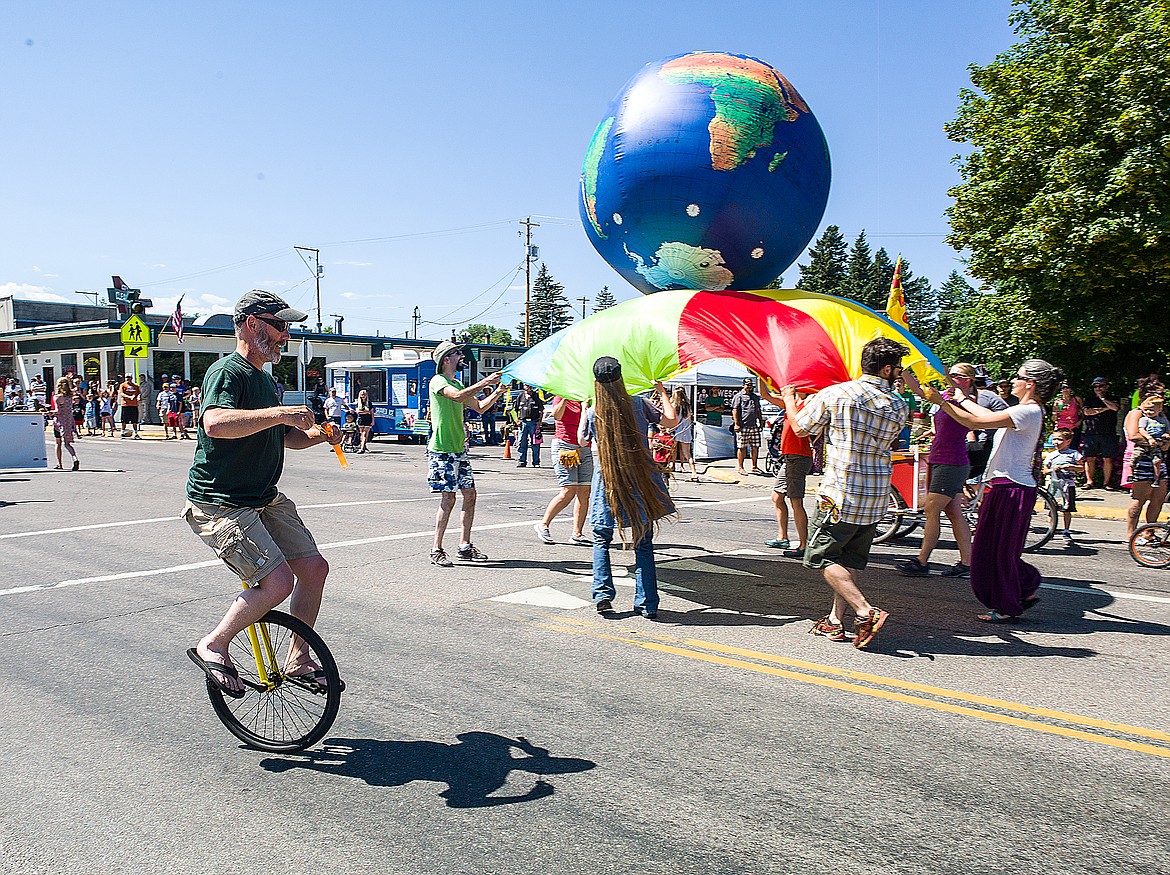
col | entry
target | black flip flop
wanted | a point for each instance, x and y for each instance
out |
(218, 668)
(312, 681)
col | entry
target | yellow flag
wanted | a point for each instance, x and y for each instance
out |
(896, 303)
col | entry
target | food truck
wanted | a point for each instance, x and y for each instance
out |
(398, 387)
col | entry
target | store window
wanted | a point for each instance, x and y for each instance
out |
(169, 363)
(115, 365)
(69, 363)
(374, 382)
(288, 371)
(200, 362)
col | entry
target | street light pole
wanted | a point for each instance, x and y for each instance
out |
(529, 225)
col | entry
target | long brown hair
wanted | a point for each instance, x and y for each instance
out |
(682, 404)
(635, 494)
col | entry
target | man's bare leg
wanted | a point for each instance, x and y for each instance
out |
(446, 505)
(248, 607)
(843, 582)
(467, 514)
(305, 605)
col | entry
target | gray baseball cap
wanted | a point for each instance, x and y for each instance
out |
(261, 303)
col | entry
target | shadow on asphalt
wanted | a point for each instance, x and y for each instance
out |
(473, 769)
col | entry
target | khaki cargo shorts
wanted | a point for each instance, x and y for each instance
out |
(252, 541)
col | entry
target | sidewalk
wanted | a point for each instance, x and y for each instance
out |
(1097, 504)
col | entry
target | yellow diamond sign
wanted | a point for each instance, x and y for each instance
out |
(135, 332)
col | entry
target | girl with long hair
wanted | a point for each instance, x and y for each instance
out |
(684, 432)
(1000, 578)
(628, 492)
(365, 420)
(63, 425)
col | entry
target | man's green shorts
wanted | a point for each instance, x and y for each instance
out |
(838, 543)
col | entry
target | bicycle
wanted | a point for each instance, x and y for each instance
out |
(1149, 545)
(279, 712)
(905, 515)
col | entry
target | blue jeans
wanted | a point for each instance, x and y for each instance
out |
(645, 572)
(528, 432)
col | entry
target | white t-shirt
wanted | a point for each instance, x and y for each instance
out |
(334, 407)
(1014, 448)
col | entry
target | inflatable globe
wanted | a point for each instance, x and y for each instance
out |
(708, 172)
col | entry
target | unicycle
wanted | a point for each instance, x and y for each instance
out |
(279, 712)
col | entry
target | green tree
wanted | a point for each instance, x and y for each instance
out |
(954, 295)
(861, 275)
(548, 309)
(1065, 195)
(996, 329)
(481, 333)
(921, 303)
(604, 300)
(825, 272)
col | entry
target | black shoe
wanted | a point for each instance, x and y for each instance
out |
(913, 568)
(641, 612)
(957, 570)
(76, 465)
(521, 464)
(605, 606)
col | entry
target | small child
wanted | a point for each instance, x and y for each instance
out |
(349, 433)
(91, 415)
(662, 446)
(1061, 466)
(1153, 428)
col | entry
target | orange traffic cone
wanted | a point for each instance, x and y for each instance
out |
(508, 447)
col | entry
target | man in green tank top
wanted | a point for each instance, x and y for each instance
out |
(233, 503)
(448, 465)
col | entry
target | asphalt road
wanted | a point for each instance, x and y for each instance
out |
(481, 735)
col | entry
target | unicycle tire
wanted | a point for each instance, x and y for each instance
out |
(284, 715)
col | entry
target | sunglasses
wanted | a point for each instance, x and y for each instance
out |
(279, 324)
(958, 376)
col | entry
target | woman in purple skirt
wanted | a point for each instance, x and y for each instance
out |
(1000, 578)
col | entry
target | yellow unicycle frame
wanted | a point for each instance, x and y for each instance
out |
(261, 648)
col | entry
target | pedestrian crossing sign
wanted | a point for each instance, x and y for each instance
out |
(134, 332)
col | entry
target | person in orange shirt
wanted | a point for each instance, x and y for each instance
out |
(796, 457)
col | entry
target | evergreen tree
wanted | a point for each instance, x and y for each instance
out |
(921, 304)
(548, 309)
(861, 283)
(883, 267)
(954, 296)
(604, 300)
(826, 272)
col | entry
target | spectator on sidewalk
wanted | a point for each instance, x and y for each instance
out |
(1147, 480)
(713, 407)
(1099, 438)
(128, 395)
(747, 418)
(530, 412)
(862, 419)
(1066, 413)
(1060, 468)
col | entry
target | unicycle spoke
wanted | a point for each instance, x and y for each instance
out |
(277, 714)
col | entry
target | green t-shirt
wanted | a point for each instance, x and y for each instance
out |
(237, 472)
(715, 415)
(447, 431)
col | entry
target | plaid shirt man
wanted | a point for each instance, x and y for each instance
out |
(863, 417)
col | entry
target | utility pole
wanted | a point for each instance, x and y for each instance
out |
(583, 301)
(530, 253)
(317, 272)
(415, 319)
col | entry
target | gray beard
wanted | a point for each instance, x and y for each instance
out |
(270, 349)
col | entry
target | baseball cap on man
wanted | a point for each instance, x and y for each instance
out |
(261, 303)
(444, 349)
(1100, 381)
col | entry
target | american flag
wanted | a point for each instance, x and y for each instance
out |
(177, 320)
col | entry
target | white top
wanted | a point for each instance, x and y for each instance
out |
(334, 407)
(1014, 449)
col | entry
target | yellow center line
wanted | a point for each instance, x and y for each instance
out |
(576, 627)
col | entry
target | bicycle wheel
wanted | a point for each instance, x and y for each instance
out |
(1045, 516)
(281, 714)
(897, 520)
(1150, 545)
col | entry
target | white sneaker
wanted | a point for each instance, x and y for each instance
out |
(543, 533)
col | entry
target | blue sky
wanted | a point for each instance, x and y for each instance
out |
(189, 147)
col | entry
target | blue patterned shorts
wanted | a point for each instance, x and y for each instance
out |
(447, 472)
